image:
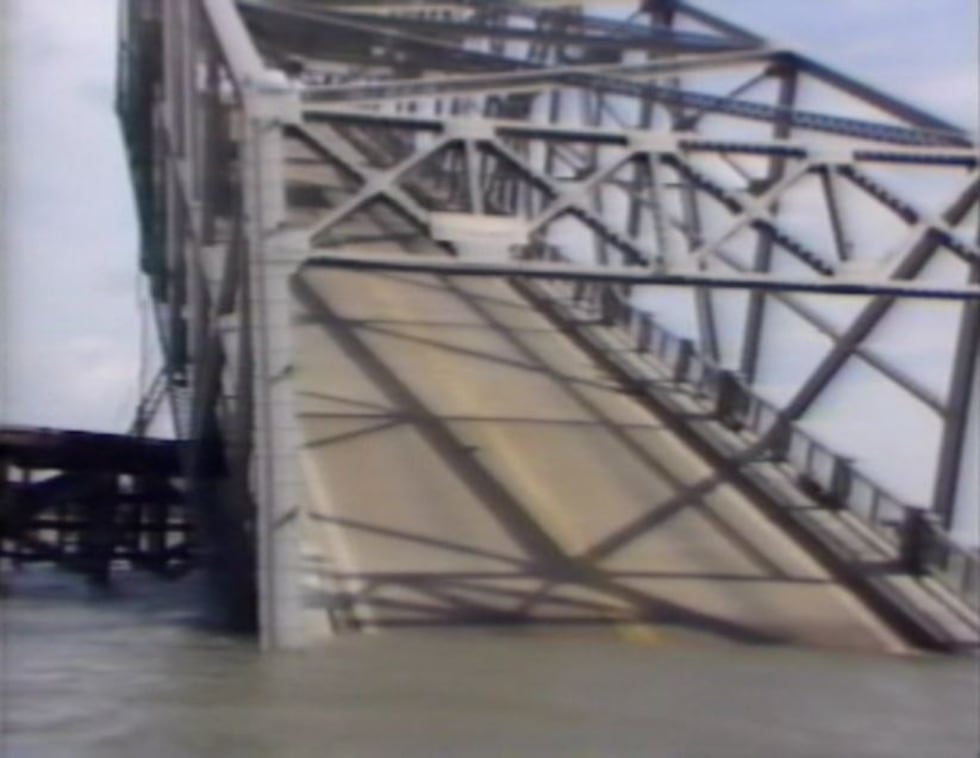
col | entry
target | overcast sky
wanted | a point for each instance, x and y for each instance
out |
(69, 278)
(925, 52)
(71, 342)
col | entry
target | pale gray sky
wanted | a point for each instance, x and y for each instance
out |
(924, 52)
(70, 276)
(71, 344)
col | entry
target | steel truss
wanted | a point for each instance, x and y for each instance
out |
(499, 137)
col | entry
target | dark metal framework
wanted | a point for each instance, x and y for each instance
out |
(87, 502)
(673, 148)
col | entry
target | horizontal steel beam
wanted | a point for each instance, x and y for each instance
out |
(659, 39)
(301, 25)
(503, 81)
(959, 157)
(429, 264)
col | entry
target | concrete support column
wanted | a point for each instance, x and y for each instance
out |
(274, 466)
(275, 475)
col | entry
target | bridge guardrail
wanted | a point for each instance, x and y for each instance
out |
(922, 545)
(954, 565)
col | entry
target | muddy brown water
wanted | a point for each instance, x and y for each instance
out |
(135, 673)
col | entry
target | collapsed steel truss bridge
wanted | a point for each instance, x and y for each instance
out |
(707, 193)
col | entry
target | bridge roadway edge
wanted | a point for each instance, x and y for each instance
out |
(892, 601)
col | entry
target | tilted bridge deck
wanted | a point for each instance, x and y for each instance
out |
(466, 463)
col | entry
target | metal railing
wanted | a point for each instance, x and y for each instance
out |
(954, 565)
(922, 545)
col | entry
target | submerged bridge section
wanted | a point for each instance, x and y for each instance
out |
(513, 313)
(87, 502)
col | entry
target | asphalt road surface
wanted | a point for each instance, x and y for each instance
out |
(468, 465)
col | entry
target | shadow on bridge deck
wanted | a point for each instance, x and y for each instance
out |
(467, 464)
